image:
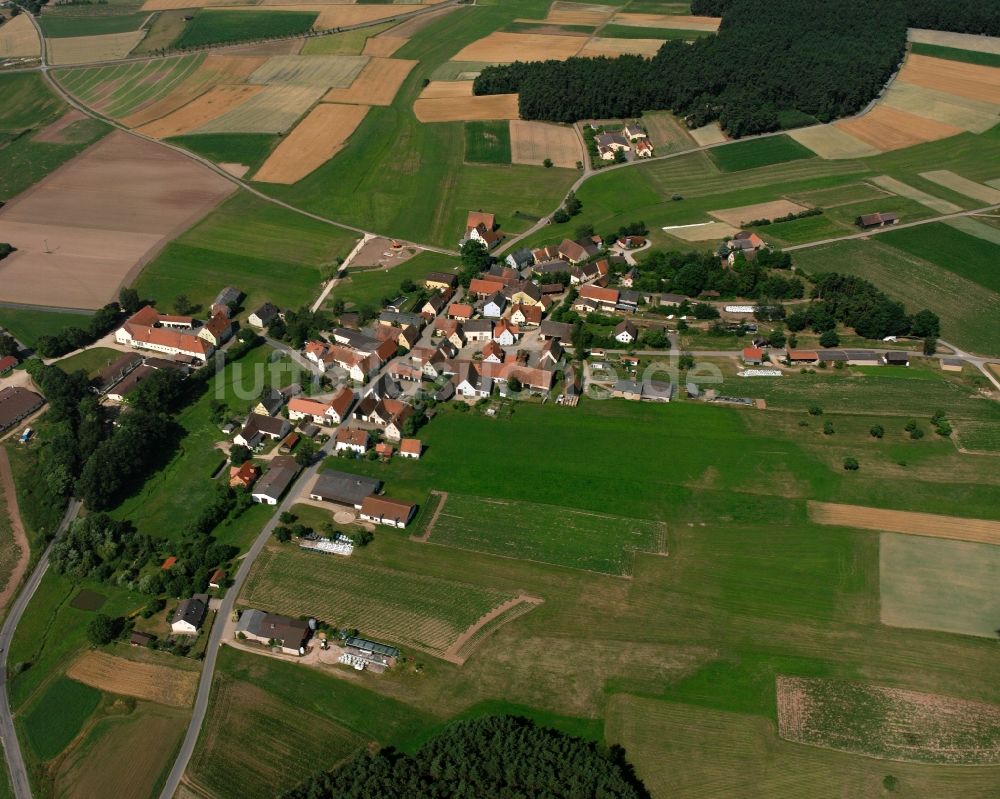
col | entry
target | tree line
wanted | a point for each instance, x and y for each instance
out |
(771, 61)
(502, 757)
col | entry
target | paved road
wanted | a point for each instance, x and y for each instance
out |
(11, 747)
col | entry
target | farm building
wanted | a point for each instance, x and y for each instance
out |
(627, 389)
(190, 615)
(141, 639)
(896, 359)
(352, 439)
(217, 330)
(287, 635)
(226, 299)
(383, 510)
(263, 316)
(147, 329)
(411, 448)
(259, 427)
(361, 653)
(243, 476)
(115, 372)
(343, 489)
(802, 356)
(305, 408)
(951, 364)
(868, 221)
(555, 330)
(17, 403)
(520, 259)
(339, 406)
(275, 482)
(753, 355)
(440, 281)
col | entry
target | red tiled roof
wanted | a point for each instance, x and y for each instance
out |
(476, 218)
(599, 294)
(342, 401)
(753, 353)
(411, 446)
(306, 405)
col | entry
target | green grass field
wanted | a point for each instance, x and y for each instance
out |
(268, 252)
(367, 287)
(27, 325)
(250, 149)
(90, 361)
(405, 608)
(759, 152)
(487, 142)
(980, 436)
(59, 715)
(346, 43)
(955, 54)
(58, 26)
(633, 32)
(162, 31)
(972, 258)
(218, 27)
(547, 533)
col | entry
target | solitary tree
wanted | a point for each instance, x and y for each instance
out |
(102, 629)
(877, 431)
(851, 464)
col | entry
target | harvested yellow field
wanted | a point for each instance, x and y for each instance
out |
(152, 681)
(324, 71)
(829, 141)
(707, 231)
(312, 143)
(954, 77)
(747, 213)
(214, 70)
(671, 21)
(170, 5)
(18, 39)
(533, 142)
(666, 131)
(376, 84)
(564, 13)
(708, 134)
(963, 41)
(972, 115)
(447, 88)
(464, 109)
(980, 531)
(922, 197)
(963, 185)
(85, 49)
(273, 110)
(504, 48)
(383, 46)
(599, 46)
(211, 105)
(886, 128)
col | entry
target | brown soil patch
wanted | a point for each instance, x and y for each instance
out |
(747, 213)
(456, 109)
(152, 681)
(376, 84)
(966, 80)
(383, 46)
(211, 105)
(411, 27)
(18, 39)
(462, 648)
(533, 142)
(983, 531)
(214, 70)
(447, 88)
(54, 132)
(711, 231)
(84, 229)
(886, 128)
(236, 170)
(504, 48)
(671, 21)
(312, 143)
(599, 46)
(22, 552)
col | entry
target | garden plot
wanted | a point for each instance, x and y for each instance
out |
(504, 48)
(973, 115)
(272, 110)
(984, 531)
(313, 142)
(376, 84)
(413, 610)
(706, 231)
(152, 681)
(612, 48)
(954, 77)
(323, 71)
(87, 227)
(886, 128)
(829, 141)
(457, 109)
(922, 197)
(18, 39)
(962, 41)
(969, 188)
(888, 723)
(546, 533)
(84, 49)
(211, 105)
(670, 21)
(933, 584)
(748, 213)
(533, 142)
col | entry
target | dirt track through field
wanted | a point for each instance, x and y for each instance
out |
(982, 531)
(442, 499)
(152, 681)
(452, 653)
(20, 540)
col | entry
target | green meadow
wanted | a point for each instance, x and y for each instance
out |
(487, 142)
(955, 54)
(758, 153)
(26, 325)
(58, 26)
(967, 256)
(366, 288)
(220, 27)
(59, 715)
(249, 149)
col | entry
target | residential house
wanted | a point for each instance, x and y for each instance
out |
(524, 293)
(520, 259)
(576, 252)
(289, 636)
(280, 473)
(476, 330)
(401, 370)
(259, 427)
(130, 383)
(411, 448)
(384, 388)
(608, 144)
(753, 355)
(603, 298)
(495, 305)
(435, 304)
(217, 330)
(408, 337)
(460, 311)
(397, 319)
(352, 439)
(341, 488)
(263, 316)
(440, 281)
(526, 315)
(147, 329)
(626, 333)
(243, 476)
(551, 353)
(505, 333)
(476, 218)
(269, 403)
(305, 408)
(867, 221)
(589, 271)
(489, 238)
(17, 403)
(493, 353)
(470, 384)
(189, 615)
(628, 301)
(633, 132)
(339, 405)
(383, 510)
(643, 148)
(628, 279)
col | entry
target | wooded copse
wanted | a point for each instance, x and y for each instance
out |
(771, 60)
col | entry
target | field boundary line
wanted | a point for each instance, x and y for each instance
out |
(931, 525)
(451, 654)
(443, 498)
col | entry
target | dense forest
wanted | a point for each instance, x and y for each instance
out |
(773, 64)
(501, 757)
(960, 16)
